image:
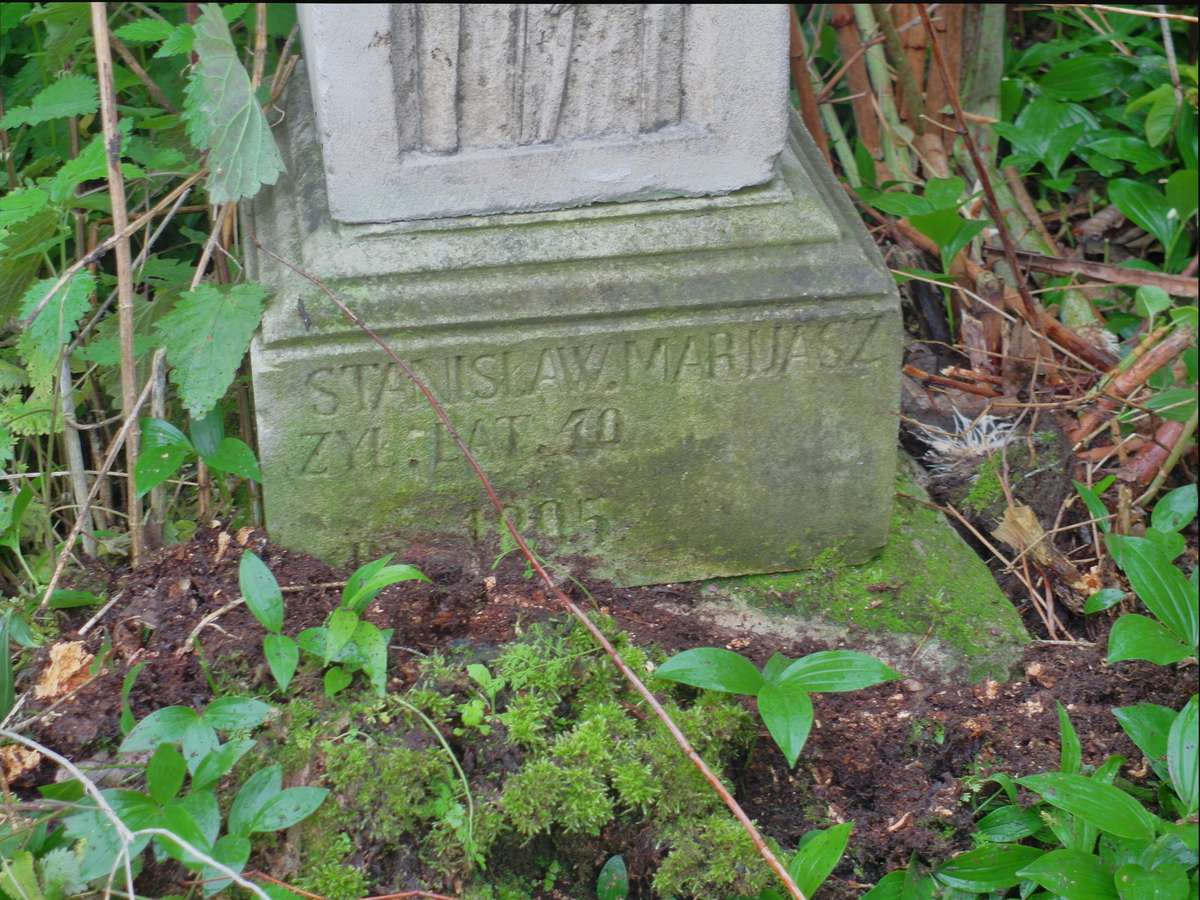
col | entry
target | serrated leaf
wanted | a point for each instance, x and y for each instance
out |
(224, 116)
(17, 206)
(178, 42)
(144, 31)
(205, 336)
(72, 95)
(50, 331)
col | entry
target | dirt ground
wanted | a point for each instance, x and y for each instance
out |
(895, 759)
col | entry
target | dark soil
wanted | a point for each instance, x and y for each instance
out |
(897, 759)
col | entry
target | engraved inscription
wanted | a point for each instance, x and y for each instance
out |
(555, 518)
(605, 366)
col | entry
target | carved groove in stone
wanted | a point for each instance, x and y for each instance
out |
(475, 76)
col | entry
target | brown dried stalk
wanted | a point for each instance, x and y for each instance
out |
(809, 111)
(116, 189)
(1175, 285)
(568, 604)
(851, 44)
(1158, 457)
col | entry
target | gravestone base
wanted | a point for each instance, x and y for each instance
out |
(676, 389)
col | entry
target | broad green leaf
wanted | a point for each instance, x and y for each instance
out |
(1159, 584)
(199, 740)
(1106, 807)
(127, 720)
(1083, 77)
(339, 631)
(17, 206)
(1137, 637)
(261, 592)
(165, 773)
(233, 851)
(18, 265)
(775, 666)
(1143, 205)
(788, 714)
(1072, 875)
(205, 811)
(1160, 118)
(1167, 882)
(613, 881)
(836, 670)
(163, 725)
(144, 31)
(90, 165)
(72, 95)
(206, 336)
(282, 657)
(237, 713)
(1103, 599)
(164, 449)
(206, 432)
(1170, 543)
(1181, 193)
(381, 579)
(224, 116)
(1071, 754)
(1148, 725)
(1131, 150)
(985, 869)
(253, 796)
(1175, 510)
(361, 576)
(713, 668)
(896, 203)
(945, 193)
(372, 654)
(1182, 756)
(178, 42)
(287, 808)
(64, 598)
(336, 680)
(1060, 145)
(220, 762)
(179, 821)
(18, 878)
(235, 457)
(1150, 300)
(1009, 824)
(818, 856)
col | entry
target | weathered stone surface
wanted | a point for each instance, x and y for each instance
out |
(680, 388)
(446, 109)
(926, 604)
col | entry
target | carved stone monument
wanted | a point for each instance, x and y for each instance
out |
(628, 275)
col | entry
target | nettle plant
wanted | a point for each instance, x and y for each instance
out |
(184, 748)
(346, 643)
(783, 686)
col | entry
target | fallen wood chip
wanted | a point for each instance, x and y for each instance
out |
(66, 670)
(16, 761)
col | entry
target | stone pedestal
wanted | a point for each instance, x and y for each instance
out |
(678, 388)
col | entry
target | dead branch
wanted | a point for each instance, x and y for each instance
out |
(1175, 285)
(809, 110)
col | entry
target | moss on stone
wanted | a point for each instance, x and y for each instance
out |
(926, 584)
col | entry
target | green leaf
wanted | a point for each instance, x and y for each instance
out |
(945, 193)
(164, 449)
(224, 116)
(1103, 599)
(835, 671)
(774, 667)
(1143, 205)
(253, 796)
(165, 773)
(235, 457)
(896, 203)
(379, 580)
(1131, 150)
(1167, 882)
(818, 856)
(287, 808)
(1159, 584)
(71, 95)
(1182, 756)
(1009, 824)
(163, 725)
(18, 878)
(1071, 752)
(713, 668)
(199, 740)
(985, 869)
(613, 881)
(788, 714)
(1107, 808)
(220, 762)
(237, 713)
(372, 654)
(336, 680)
(1170, 543)
(339, 631)
(127, 683)
(55, 324)
(1137, 637)
(1072, 874)
(64, 598)
(233, 851)
(179, 821)
(261, 592)
(282, 656)
(1161, 117)
(206, 336)
(1148, 725)
(1175, 510)
(19, 205)
(7, 691)
(178, 42)
(361, 576)
(1182, 189)
(206, 432)
(1150, 301)
(144, 31)
(1083, 77)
